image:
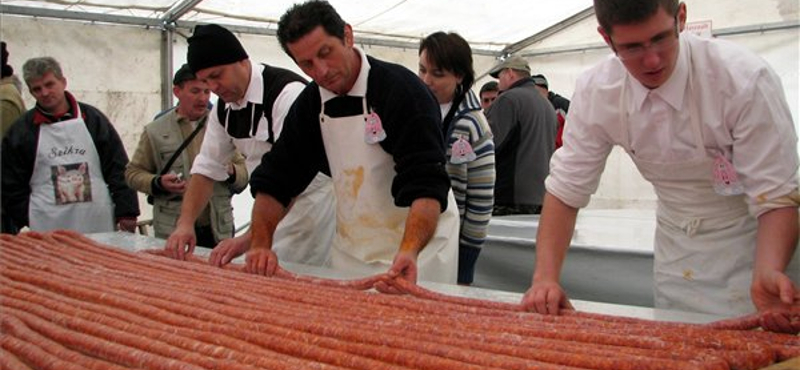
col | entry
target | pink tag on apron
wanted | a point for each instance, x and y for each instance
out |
(462, 152)
(373, 129)
(726, 182)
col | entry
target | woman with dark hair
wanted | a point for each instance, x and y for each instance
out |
(445, 66)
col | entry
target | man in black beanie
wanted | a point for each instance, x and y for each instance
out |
(253, 101)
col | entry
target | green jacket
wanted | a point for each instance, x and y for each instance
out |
(161, 138)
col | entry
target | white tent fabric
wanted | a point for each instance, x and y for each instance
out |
(113, 51)
(485, 24)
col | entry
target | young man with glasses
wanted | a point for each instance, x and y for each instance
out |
(706, 122)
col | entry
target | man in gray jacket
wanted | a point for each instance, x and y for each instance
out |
(524, 125)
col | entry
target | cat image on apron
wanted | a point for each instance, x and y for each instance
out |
(72, 183)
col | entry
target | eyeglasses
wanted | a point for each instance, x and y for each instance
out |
(660, 43)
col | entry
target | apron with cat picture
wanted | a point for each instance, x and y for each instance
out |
(67, 186)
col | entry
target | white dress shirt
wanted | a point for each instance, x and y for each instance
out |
(218, 147)
(744, 116)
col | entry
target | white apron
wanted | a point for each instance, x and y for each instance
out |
(704, 242)
(67, 186)
(369, 227)
(304, 235)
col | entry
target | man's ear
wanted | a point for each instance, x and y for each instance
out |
(681, 16)
(348, 36)
(605, 36)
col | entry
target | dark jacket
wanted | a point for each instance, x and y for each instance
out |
(524, 125)
(19, 155)
(410, 117)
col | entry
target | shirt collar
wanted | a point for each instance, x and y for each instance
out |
(181, 119)
(40, 116)
(673, 91)
(359, 88)
(255, 90)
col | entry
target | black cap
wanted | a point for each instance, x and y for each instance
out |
(183, 74)
(212, 45)
(540, 80)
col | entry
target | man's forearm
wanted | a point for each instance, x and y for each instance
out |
(195, 199)
(777, 238)
(553, 238)
(267, 212)
(421, 223)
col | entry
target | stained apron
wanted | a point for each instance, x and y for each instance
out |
(704, 242)
(369, 227)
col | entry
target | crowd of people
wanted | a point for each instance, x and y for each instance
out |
(370, 168)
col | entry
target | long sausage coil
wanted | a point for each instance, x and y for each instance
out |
(68, 302)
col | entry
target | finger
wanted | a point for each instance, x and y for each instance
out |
(226, 258)
(180, 245)
(272, 265)
(567, 305)
(261, 265)
(527, 302)
(169, 248)
(775, 322)
(787, 292)
(248, 265)
(386, 288)
(553, 301)
(540, 302)
(213, 258)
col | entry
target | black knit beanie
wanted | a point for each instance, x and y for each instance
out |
(7, 70)
(212, 45)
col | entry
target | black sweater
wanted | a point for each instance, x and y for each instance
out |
(410, 117)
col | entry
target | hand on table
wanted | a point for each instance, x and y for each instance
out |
(403, 267)
(777, 300)
(180, 243)
(546, 298)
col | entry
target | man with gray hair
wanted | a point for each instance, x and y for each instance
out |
(63, 164)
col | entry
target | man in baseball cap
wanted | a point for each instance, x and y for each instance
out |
(524, 126)
(514, 62)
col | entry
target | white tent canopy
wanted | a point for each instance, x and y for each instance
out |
(380, 22)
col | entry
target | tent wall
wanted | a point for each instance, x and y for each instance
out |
(118, 68)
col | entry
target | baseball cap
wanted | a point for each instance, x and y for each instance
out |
(513, 62)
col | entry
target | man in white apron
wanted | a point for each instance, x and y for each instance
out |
(63, 162)
(706, 122)
(248, 117)
(375, 128)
